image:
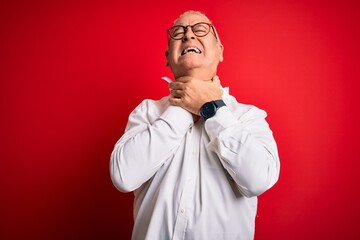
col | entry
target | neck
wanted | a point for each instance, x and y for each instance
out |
(196, 73)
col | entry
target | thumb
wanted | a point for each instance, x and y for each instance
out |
(216, 80)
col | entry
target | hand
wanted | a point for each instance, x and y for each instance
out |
(191, 93)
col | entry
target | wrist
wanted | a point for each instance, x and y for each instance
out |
(209, 109)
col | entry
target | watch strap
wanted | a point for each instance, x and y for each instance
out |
(219, 103)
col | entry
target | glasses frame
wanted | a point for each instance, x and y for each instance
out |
(186, 29)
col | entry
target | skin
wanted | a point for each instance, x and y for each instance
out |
(195, 74)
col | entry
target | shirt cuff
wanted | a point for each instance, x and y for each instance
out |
(222, 120)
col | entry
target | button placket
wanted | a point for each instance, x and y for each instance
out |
(187, 197)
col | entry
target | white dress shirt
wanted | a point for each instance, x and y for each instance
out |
(195, 180)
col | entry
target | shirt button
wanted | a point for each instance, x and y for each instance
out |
(182, 210)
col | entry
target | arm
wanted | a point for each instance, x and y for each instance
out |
(244, 144)
(147, 144)
(246, 149)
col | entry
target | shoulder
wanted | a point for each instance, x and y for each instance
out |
(151, 109)
(154, 105)
(241, 110)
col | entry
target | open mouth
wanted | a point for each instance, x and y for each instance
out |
(190, 50)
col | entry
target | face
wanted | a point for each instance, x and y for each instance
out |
(208, 54)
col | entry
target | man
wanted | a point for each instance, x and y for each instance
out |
(196, 159)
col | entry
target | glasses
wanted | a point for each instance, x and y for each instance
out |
(200, 29)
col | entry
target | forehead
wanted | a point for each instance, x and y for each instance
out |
(191, 18)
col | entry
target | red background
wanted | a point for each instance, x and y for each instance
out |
(72, 71)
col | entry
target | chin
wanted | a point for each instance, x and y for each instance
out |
(190, 63)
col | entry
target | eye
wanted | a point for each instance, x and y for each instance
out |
(200, 28)
(177, 31)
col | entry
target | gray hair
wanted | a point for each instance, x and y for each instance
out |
(191, 12)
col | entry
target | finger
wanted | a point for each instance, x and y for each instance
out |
(175, 101)
(175, 86)
(176, 93)
(183, 79)
(216, 80)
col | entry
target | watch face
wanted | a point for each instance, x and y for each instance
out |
(207, 110)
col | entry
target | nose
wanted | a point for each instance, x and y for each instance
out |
(188, 34)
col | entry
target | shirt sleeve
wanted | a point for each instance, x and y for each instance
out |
(246, 149)
(149, 140)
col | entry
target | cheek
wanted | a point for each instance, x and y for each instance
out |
(172, 53)
(214, 55)
(174, 46)
(212, 50)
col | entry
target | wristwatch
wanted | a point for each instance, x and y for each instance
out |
(209, 109)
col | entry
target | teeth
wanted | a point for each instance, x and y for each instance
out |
(190, 49)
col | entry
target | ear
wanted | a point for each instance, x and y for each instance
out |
(221, 51)
(166, 55)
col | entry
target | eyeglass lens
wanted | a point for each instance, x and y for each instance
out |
(199, 29)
